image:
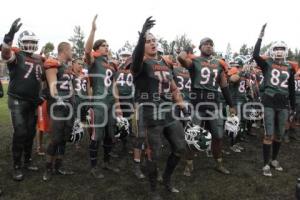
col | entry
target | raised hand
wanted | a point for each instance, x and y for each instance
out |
(15, 27)
(262, 32)
(94, 27)
(149, 23)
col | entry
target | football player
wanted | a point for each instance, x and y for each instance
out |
(155, 92)
(104, 103)
(59, 79)
(207, 75)
(279, 94)
(25, 71)
(290, 132)
(237, 86)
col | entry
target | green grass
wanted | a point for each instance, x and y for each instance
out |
(245, 183)
(4, 117)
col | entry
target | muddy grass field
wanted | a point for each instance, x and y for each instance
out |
(245, 181)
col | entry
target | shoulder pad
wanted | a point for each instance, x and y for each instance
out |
(96, 54)
(294, 65)
(51, 63)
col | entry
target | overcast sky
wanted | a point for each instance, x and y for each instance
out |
(225, 21)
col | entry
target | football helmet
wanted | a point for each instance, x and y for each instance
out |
(77, 131)
(122, 127)
(278, 50)
(197, 137)
(255, 114)
(239, 60)
(232, 125)
(28, 42)
(124, 54)
(160, 49)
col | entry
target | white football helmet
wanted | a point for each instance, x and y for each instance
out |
(278, 50)
(232, 125)
(197, 137)
(159, 48)
(122, 127)
(77, 131)
(28, 42)
(124, 54)
(255, 114)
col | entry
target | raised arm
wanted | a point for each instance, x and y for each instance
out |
(89, 43)
(258, 59)
(7, 54)
(138, 53)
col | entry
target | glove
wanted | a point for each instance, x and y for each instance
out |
(262, 32)
(9, 37)
(149, 23)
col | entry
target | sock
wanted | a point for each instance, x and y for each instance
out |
(276, 147)
(152, 174)
(266, 153)
(170, 167)
(93, 149)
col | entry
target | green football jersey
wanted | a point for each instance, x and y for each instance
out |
(183, 81)
(238, 90)
(276, 78)
(25, 76)
(102, 76)
(124, 81)
(205, 73)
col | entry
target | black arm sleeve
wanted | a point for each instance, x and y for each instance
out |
(1, 90)
(258, 59)
(292, 90)
(138, 56)
(227, 96)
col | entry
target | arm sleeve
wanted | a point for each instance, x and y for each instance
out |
(138, 56)
(258, 59)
